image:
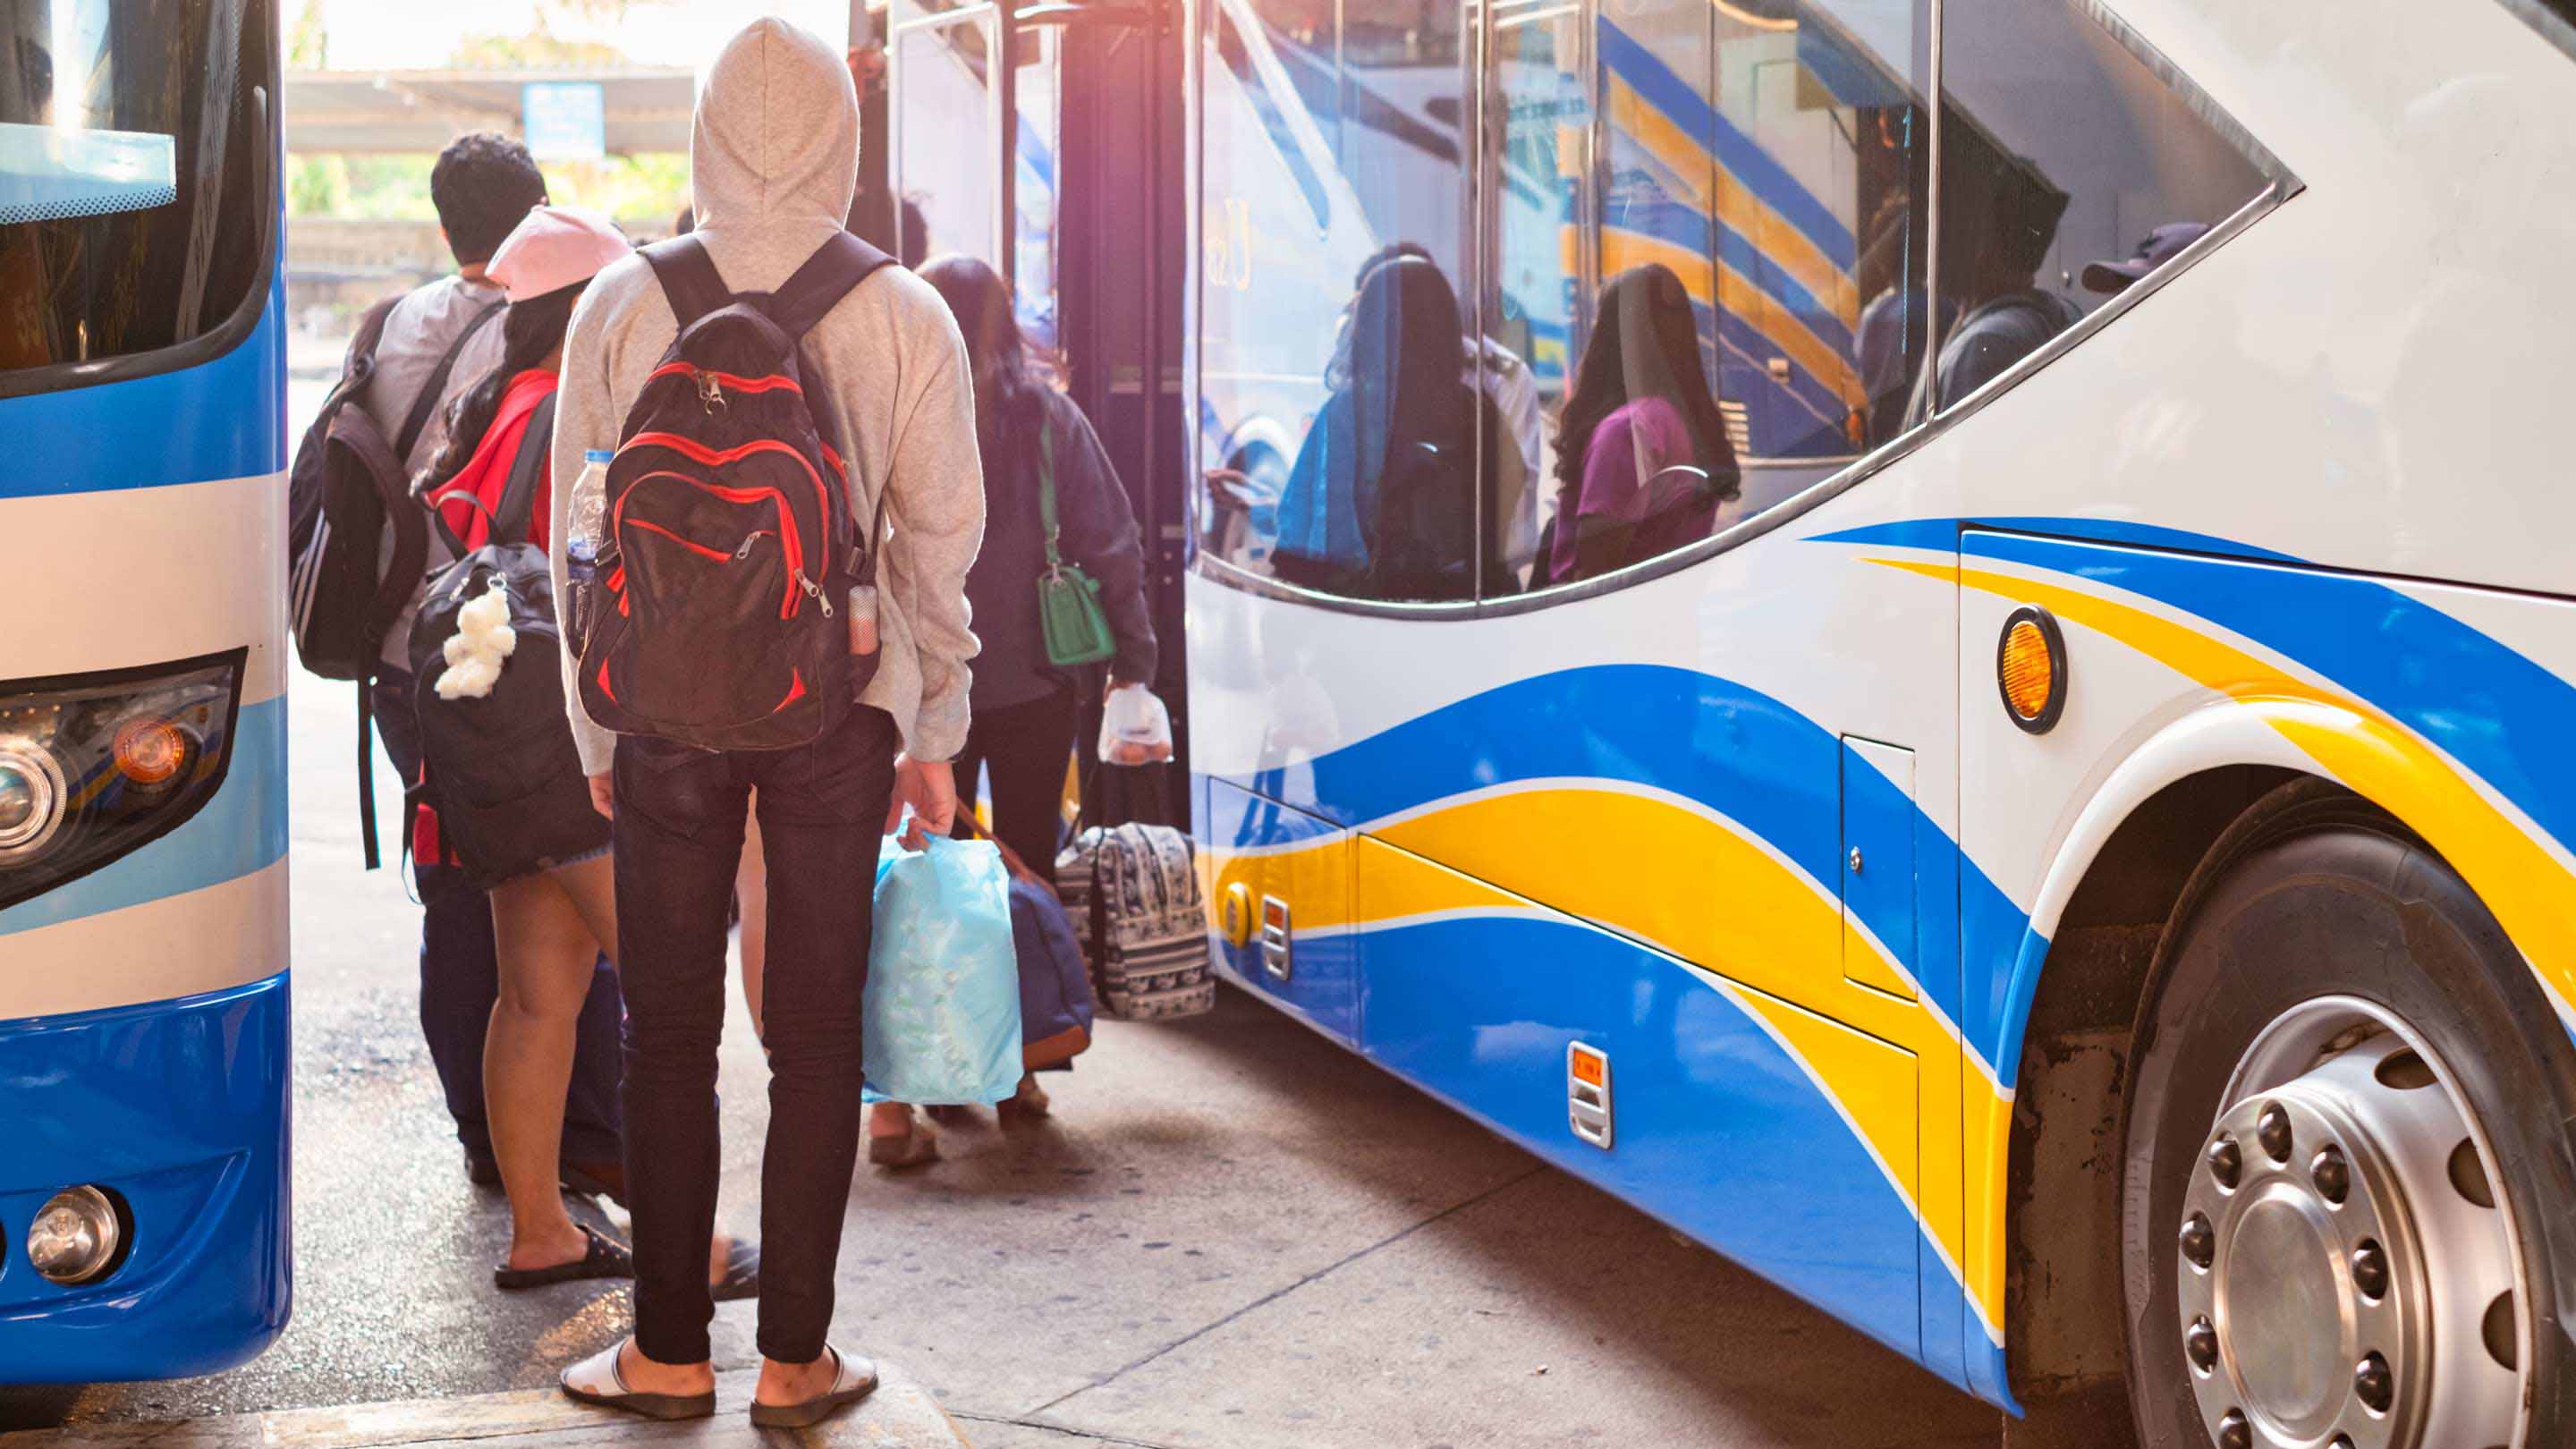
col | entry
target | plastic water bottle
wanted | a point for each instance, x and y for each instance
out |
(589, 514)
(587, 535)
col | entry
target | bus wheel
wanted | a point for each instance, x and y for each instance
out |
(2344, 1217)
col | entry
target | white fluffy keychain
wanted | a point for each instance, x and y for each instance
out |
(482, 640)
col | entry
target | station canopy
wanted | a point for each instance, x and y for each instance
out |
(420, 111)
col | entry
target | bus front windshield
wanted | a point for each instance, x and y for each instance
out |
(130, 135)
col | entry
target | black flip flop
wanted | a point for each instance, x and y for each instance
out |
(851, 1382)
(603, 1259)
(742, 1273)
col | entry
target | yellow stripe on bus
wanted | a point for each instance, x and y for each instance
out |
(1715, 191)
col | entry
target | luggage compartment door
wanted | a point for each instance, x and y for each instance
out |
(1279, 889)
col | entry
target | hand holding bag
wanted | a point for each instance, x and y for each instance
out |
(940, 1023)
(1069, 613)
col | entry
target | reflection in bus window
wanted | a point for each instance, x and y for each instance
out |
(1768, 159)
(128, 218)
(1275, 240)
(1038, 78)
(1381, 502)
(1300, 46)
(2070, 170)
(947, 165)
(1644, 458)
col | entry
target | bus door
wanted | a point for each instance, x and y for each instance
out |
(1063, 177)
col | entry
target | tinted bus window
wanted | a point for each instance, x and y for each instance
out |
(2070, 170)
(129, 160)
(1383, 501)
(1761, 315)
(946, 143)
(1040, 78)
(1278, 256)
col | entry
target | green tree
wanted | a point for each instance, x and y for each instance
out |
(317, 186)
(308, 40)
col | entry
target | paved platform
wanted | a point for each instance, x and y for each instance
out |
(899, 1415)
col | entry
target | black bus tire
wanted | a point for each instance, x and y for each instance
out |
(2316, 894)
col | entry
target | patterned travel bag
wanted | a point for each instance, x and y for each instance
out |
(1133, 893)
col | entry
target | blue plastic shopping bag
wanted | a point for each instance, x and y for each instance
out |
(941, 1023)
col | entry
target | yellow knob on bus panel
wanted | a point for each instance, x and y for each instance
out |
(2030, 669)
(1237, 917)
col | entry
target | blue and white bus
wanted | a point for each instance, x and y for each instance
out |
(2045, 824)
(143, 920)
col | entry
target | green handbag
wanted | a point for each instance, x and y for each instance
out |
(1069, 612)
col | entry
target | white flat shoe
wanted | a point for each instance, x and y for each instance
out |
(595, 1380)
(853, 1379)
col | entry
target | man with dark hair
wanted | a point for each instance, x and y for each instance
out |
(437, 343)
(483, 185)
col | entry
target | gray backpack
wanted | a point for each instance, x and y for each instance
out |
(1133, 893)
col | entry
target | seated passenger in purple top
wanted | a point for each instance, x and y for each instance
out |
(1643, 459)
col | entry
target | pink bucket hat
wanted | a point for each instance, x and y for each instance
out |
(555, 247)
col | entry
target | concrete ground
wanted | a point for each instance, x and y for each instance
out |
(1233, 1236)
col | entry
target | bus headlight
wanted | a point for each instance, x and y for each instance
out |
(93, 766)
(31, 801)
(76, 1236)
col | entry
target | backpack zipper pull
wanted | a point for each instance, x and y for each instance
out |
(756, 536)
(814, 592)
(710, 392)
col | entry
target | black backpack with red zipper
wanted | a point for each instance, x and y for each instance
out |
(720, 619)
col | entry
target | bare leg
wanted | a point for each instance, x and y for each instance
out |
(546, 953)
(751, 887)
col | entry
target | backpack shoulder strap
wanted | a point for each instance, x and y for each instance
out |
(371, 331)
(425, 406)
(803, 300)
(518, 507)
(689, 278)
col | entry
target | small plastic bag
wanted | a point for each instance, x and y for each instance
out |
(1135, 728)
(941, 1023)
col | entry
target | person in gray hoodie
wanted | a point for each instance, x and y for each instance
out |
(774, 161)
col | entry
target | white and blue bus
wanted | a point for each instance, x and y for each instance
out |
(2040, 814)
(143, 921)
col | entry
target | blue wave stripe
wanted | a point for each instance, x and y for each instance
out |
(1708, 1106)
(1728, 747)
(1803, 389)
(1942, 535)
(2489, 707)
(240, 831)
(1656, 85)
(224, 419)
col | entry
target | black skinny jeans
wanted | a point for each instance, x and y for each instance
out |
(679, 829)
(1026, 748)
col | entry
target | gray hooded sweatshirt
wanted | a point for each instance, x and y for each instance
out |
(773, 160)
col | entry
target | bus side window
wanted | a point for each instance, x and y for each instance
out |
(1762, 319)
(1345, 443)
(2070, 170)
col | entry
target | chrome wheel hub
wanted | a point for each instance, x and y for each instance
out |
(2349, 1277)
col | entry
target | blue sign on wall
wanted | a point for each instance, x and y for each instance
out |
(565, 120)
